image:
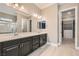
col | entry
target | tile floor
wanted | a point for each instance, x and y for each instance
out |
(66, 49)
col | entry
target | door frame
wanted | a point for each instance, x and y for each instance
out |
(60, 22)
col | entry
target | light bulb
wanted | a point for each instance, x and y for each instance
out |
(22, 7)
(39, 17)
(35, 15)
(16, 4)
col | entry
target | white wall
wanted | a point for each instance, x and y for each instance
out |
(50, 13)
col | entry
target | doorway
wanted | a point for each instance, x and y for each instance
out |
(68, 26)
(68, 31)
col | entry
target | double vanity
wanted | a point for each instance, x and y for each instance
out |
(21, 44)
(20, 32)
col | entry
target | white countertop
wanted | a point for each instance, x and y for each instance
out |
(7, 37)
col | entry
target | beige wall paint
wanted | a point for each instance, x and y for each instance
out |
(50, 13)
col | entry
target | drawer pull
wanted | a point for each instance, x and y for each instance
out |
(11, 48)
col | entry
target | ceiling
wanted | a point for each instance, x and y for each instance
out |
(43, 5)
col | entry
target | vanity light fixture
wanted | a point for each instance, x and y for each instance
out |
(15, 5)
(21, 7)
(39, 17)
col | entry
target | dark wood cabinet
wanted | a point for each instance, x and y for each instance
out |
(10, 51)
(10, 48)
(26, 46)
(43, 39)
(22, 46)
(0, 49)
(36, 42)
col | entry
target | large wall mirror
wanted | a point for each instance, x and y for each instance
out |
(7, 23)
(13, 20)
(11, 24)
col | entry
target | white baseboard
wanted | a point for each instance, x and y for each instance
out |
(77, 48)
(53, 44)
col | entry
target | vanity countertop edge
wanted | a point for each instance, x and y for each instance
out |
(11, 36)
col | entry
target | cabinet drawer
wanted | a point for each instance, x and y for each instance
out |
(36, 37)
(10, 51)
(25, 39)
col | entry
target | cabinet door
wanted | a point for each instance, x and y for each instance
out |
(36, 42)
(0, 49)
(43, 39)
(10, 51)
(26, 47)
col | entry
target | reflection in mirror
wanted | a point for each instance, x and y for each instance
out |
(26, 25)
(7, 23)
